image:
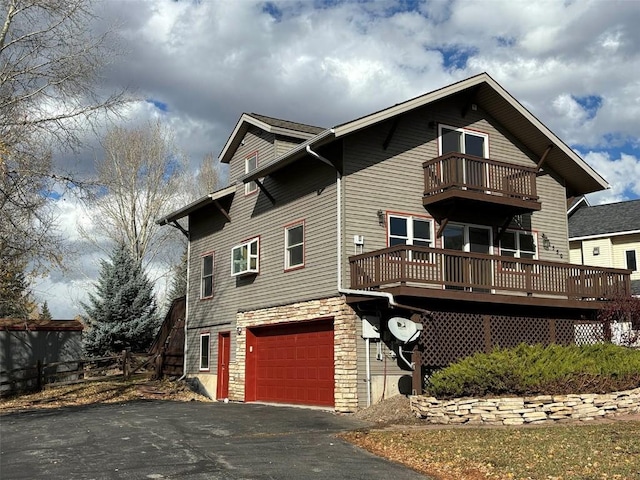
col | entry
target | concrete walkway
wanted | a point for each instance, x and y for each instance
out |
(172, 440)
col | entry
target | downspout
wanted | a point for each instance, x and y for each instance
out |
(349, 291)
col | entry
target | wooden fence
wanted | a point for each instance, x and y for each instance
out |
(35, 377)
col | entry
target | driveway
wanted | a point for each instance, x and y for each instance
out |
(171, 440)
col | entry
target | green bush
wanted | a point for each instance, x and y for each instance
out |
(537, 370)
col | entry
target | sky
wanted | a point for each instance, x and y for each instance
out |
(199, 64)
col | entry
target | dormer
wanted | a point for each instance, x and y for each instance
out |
(258, 139)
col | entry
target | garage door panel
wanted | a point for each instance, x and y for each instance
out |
(294, 363)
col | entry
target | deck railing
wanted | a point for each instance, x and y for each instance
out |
(439, 268)
(467, 172)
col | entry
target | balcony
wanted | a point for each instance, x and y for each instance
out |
(456, 183)
(455, 275)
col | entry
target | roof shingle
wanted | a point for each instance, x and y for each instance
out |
(605, 219)
(278, 122)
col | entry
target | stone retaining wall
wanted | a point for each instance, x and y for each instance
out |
(527, 410)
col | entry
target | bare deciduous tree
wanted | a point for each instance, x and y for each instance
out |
(208, 176)
(141, 178)
(50, 94)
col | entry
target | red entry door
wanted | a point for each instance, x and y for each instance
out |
(224, 350)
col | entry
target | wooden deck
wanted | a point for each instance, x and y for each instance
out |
(433, 272)
(466, 177)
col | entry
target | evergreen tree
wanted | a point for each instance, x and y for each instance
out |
(122, 314)
(45, 314)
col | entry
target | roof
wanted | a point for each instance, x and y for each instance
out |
(498, 103)
(576, 203)
(40, 325)
(268, 124)
(605, 220)
(196, 205)
(286, 124)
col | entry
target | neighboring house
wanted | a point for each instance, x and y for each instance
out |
(25, 342)
(448, 209)
(607, 236)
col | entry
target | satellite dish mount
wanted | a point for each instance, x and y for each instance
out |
(406, 332)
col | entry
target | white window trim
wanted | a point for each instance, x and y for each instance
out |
(465, 235)
(518, 250)
(287, 247)
(464, 131)
(410, 235)
(248, 269)
(202, 275)
(208, 366)
(250, 187)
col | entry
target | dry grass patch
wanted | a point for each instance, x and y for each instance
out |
(101, 391)
(599, 451)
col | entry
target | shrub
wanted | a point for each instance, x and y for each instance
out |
(536, 370)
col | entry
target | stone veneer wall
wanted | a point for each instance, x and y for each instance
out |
(345, 353)
(527, 410)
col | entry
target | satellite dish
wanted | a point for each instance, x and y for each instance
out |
(404, 329)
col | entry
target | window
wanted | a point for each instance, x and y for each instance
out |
(206, 286)
(632, 264)
(294, 246)
(205, 344)
(463, 141)
(250, 164)
(244, 258)
(518, 244)
(410, 231)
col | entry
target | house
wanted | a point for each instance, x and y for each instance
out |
(607, 236)
(333, 249)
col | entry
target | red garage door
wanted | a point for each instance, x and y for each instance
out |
(291, 363)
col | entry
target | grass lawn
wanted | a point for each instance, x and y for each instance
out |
(566, 452)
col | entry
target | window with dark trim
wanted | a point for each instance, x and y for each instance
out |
(206, 286)
(632, 263)
(205, 346)
(250, 164)
(294, 246)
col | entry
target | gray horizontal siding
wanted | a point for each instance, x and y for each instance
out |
(305, 191)
(392, 180)
(255, 140)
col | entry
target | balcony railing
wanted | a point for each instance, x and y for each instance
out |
(457, 171)
(489, 274)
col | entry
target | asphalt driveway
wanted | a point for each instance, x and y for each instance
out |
(172, 440)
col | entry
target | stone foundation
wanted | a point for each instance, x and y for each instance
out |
(344, 330)
(526, 410)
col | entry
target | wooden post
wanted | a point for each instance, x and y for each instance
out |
(125, 364)
(416, 377)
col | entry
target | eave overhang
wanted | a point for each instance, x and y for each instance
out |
(291, 156)
(197, 205)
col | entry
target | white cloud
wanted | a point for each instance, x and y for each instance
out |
(210, 61)
(622, 173)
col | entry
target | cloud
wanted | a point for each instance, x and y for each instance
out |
(622, 173)
(199, 65)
